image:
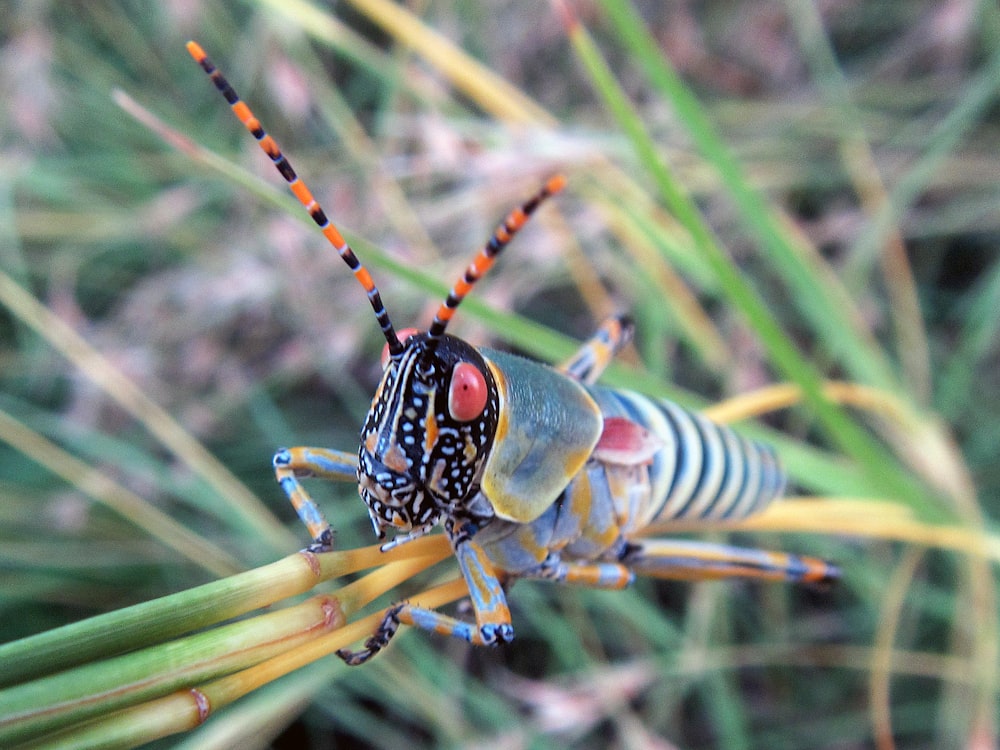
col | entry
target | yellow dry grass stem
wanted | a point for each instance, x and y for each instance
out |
(358, 594)
(184, 710)
(860, 517)
(475, 80)
(897, 588)
(419, 554)
(857, 517)
(783, 395)
(921, 441)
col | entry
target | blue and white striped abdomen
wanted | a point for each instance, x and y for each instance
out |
(702, 469)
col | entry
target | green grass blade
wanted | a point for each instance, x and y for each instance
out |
(883, 472)
(828, 308)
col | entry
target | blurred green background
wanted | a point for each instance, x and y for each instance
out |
(871, 130)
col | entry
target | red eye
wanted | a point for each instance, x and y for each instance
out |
(403, 335)
(467, 393)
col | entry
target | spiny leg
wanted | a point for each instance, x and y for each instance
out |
(593, 357)
(492, 624)
(695, 561)
(292, 463)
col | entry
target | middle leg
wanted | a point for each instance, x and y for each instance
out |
(492, 625)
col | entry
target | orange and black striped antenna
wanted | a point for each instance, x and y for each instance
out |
(302, 192)
(484, 260)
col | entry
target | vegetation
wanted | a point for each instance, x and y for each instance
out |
(784, 194)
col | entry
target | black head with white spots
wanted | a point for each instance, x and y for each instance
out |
(427, 435)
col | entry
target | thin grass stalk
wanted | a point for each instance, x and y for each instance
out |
(492, 94)
(941, 136)
(897, 589)
(186, 709)
(510, 102)
(979, 328)
(880, 467)
(856, 153)
(643, 242)
(103, 489)
(108, 685)
(176, 614)
(323, 25)
(162, 659)
(246, 508)
(353, 140)
(826, 304)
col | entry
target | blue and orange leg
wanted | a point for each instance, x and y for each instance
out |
(595, 575)
(492, 625)
(594, 356)
(696, 561)
(292, 463)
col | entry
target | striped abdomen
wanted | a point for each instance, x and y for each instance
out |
(702, 470)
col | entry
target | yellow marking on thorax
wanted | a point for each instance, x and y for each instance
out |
(503, 420)
(395, 459)
(430, 426)
(434, 483)
(469, 451)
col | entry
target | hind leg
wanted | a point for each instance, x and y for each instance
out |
(696, 561)
(591, 359)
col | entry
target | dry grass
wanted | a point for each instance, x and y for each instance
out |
(214, 318)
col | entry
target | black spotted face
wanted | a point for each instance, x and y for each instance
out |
(427, 435)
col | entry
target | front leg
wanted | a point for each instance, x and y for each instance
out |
(492, 626)
(292, 463)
